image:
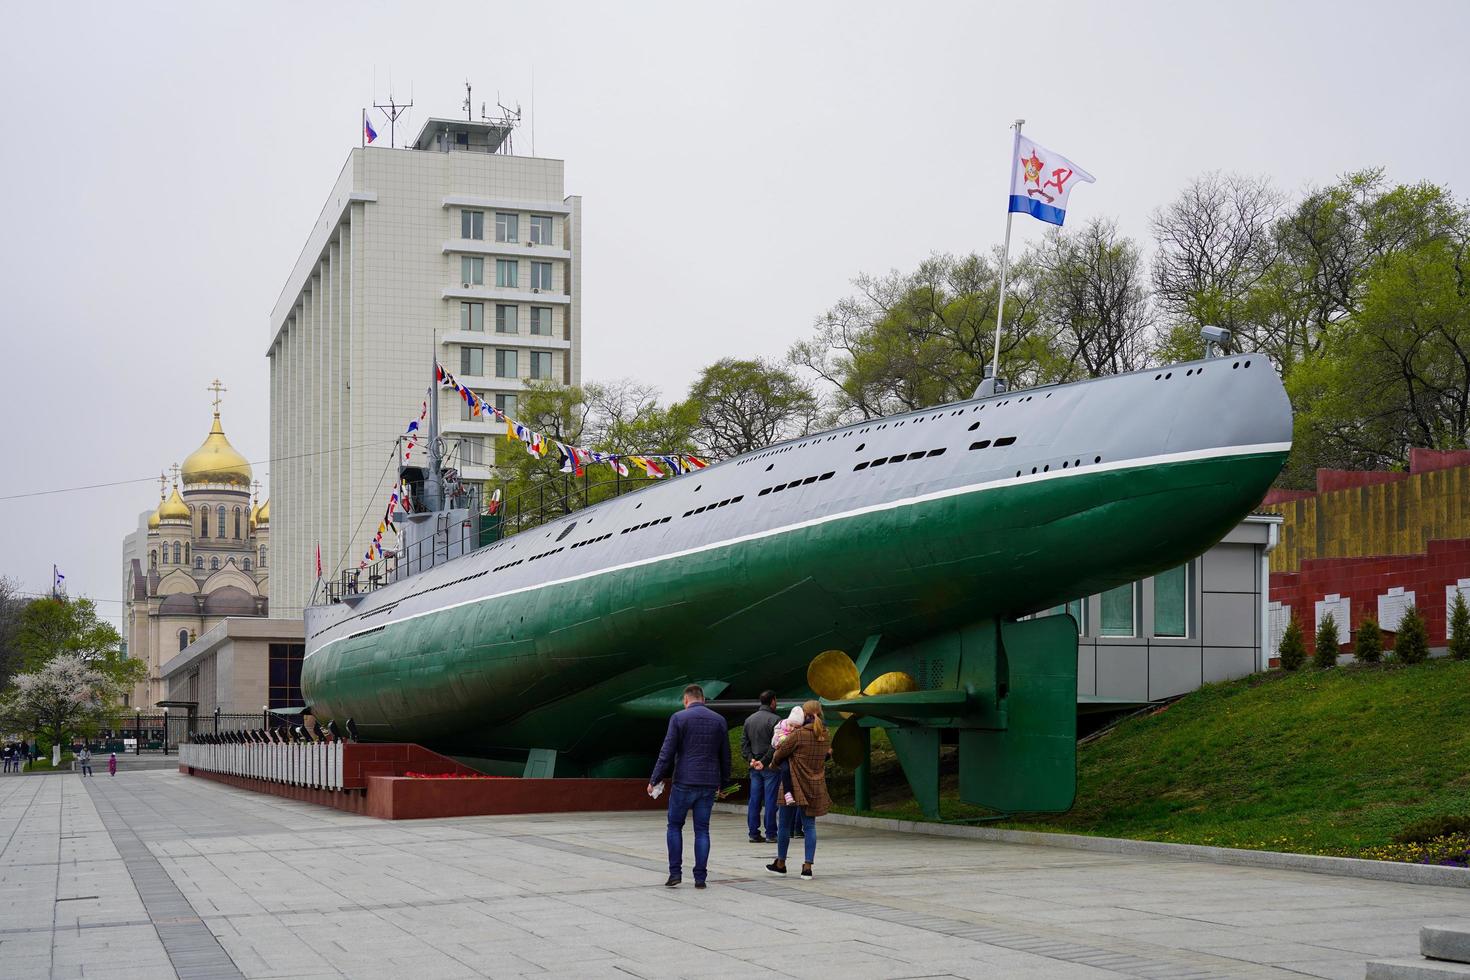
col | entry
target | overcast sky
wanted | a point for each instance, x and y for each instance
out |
(739, 164)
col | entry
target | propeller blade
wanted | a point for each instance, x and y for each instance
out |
(847, 745)
(893, 682)
(834, 676)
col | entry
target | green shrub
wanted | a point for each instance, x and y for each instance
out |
(1459, 630)
(1429, 828)
(1293, 652)
(1324, 653)
(1368, 645)
(1411, 646)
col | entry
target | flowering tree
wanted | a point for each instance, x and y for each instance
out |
(60, 697)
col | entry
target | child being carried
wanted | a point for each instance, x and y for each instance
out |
(785, 728)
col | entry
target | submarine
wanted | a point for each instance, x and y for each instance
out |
(920, 546)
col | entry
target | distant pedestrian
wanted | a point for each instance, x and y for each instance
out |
(807, 751)
(7, 755)
(85, 758)
(23, 755)
(755, 744)
(696, 753)
(112, 763)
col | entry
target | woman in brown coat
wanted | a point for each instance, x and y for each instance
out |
(806, 752)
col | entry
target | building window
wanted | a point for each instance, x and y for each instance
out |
(163, 554)
(472, 225)
(247, 564)
(186, 552)
(1119, 610)
(472, 451)
(472, 270)
(1077, 609)
(238, 535)
(178, 552)
(285, 674)
(541, 365)
(204, 522)
(152, 559)
(472, 360)
(214, 563)
(183, 639)
(507, 318)
(199, 563)
(507, 227)
(262, 556)
(541, 321)
(541, 275)
(472, 317)
(507, 274)
(1171, 602)
(505, 364)
(540, 229)
(219, 530)
(466, 411)
(506, 404)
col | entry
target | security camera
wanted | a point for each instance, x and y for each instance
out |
(1217, 340)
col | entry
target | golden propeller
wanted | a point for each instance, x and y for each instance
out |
(833, 676)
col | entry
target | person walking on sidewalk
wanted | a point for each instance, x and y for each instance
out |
(696, 754)
(807, 752)
(112, 764)
(755, 743)
(84, 758)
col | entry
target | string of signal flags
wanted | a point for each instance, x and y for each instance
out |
(574, 459)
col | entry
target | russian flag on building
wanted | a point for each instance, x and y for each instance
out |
(368, 132)
(1041, 181)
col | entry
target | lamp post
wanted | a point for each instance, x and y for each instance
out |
(265, 716)
(216, 719)
(165, 730)
(138, 734)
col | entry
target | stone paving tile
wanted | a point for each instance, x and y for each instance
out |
(166, 874)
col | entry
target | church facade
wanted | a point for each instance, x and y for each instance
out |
(207, 557)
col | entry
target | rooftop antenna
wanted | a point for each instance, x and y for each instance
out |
(509, 119)
(392, 110)
(468, 104)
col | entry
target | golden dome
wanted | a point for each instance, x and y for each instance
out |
(216, 461)
(263, 512)
(153, 518)
(174, 509)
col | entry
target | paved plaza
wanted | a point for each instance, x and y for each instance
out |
(153, 874)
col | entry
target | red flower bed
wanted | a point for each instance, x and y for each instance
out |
(452, 775)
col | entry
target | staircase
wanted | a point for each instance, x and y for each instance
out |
(1446, 954)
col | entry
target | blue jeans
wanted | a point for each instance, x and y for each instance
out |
(682, 799)
(789, 816)
(763, 786)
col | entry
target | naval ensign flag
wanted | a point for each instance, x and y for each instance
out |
(1041, 180)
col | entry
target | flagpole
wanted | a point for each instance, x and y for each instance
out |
(989, 385)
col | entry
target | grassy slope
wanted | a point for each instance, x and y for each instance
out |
(1330, 762)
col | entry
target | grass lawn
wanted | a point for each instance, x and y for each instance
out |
(1317, 762)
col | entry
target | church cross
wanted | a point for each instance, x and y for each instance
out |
(174, 469)
(162, 486)
(216, 387)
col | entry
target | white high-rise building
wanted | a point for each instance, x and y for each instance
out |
(452, 248)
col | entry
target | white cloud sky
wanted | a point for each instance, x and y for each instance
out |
(739, 164)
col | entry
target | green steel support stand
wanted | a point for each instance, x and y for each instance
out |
(862, 790)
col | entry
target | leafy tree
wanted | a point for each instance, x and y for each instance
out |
(1411, 644)
(1293, 650)
(744, 405)
(11, 606)
(1459, 639)
(910, 340)
(56, 626)
(1368, 647)
(1324, 651)
(61, 698)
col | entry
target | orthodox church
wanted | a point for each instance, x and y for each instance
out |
(205, 557)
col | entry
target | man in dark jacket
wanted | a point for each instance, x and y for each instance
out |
(755, 745)
(696, 752)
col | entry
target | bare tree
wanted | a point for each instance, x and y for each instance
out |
(744, 405)
(1216, 243)
(1094, 301)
